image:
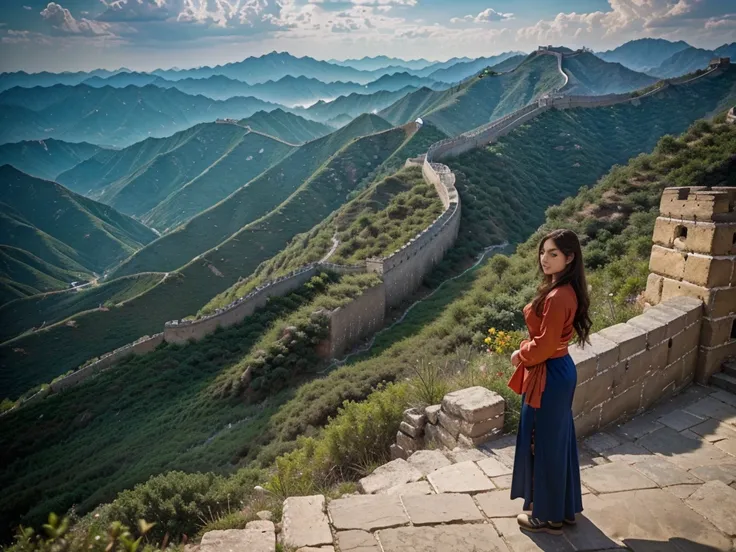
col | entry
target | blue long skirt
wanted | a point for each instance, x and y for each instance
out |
(549, 478)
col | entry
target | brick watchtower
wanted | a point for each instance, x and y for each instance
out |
(694, 254)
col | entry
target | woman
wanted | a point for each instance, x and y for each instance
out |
(546, 467)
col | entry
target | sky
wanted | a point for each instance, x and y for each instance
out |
(73, 35)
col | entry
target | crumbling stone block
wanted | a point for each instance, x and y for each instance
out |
(474, 404)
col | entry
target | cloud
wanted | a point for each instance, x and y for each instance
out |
(135, 10)
(11, 36)
(386, 3)
(633, 19)
(62, 21)
(488, 15)
(27, 8)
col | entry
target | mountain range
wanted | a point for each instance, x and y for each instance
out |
(46, 159)
(51, 236)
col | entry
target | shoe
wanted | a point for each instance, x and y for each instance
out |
(572, 521)
(534, 525)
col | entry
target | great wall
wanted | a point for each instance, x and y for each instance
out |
(402, 271)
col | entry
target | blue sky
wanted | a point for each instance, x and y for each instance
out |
(145, 34)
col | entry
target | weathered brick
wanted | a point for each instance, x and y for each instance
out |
(410, 430)
(667, 262)
(587, 422)
(431, 412)
(439, 435)
(692, 306)
(471, 442)
(593, 392)
(586, 361)
(624, 405)
(606, 350)
(653, 291)
(718, 302)
(702, 237)
(473, 404)
(409, 444)
(682, 343)
(675, 319)
(635, 368)
(689, 365)
(656, 329)
(415, 417)
(457, 426)
(630, 339)
(397, 452)
(716, 332)
(705, 271)
(660, 385)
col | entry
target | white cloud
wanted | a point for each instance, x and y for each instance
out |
(27, 8)
(488, 15)
(633, 19)
(135, 10)
(64, 22)
(386, 3)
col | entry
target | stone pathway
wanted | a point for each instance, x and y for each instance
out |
(665, 481)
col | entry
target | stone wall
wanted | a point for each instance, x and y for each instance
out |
(357, 320)
(142, 346)
(628, 367)
(181, 331)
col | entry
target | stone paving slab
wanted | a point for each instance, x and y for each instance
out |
(727, 445)
(503, 449)
(725, 473)
(443, 538)
(499, 504)
(444, 508)
(682, 491)
(665, 473)
(426, 461)
(637, 427)
(494, 468)
(357, 541)
(466, 455)
(416, 488)
(304, 521)
(713, 430)
(653, 519)
(680, 420)
(463, 477)
(316, 549)
(600, 442)
(519, 541)
(615, 477)
(716, 502)
(254, 540)
(393, 473)
(710, 407)
(627, 453)
(367, 512)
(502, 482)
(681, 451)
(724, 396)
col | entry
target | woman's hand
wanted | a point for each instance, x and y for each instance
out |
(515, 359)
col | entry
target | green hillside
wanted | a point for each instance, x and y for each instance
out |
(683, 62)
(376, 223)
(24, 274)
(63, 229)
(250, 156)
(252, 201)
(478, 101)
(45, 158)
(159, 405)
(61, 347)
(591, 76)
(288, 127)
(49, 308)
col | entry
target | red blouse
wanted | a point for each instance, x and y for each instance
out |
(549, 336)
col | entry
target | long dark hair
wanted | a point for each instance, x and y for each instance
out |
(574, 274)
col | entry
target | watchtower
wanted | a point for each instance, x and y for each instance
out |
(694, 254)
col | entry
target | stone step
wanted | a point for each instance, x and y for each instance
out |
(258, 536)
(729, 368)
(724, 381)
(305, 522)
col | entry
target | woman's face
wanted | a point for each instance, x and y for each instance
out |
(553, 261)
